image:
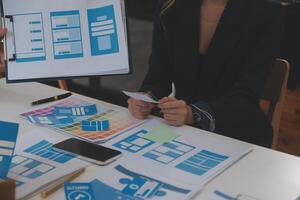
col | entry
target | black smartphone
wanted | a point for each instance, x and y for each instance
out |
(88, 151)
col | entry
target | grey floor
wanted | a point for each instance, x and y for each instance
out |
(140, 35)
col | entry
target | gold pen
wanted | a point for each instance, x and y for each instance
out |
(59, 183)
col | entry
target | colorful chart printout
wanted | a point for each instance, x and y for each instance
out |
(118, 121)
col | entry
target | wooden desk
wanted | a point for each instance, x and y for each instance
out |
(264, 174)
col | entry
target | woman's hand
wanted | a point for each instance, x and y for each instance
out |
(2, 34)
(139, 109)
(176, 112)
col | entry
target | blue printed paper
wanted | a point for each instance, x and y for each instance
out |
(30, 168)
(66, 33)
(103, 31)
(79, 191)
(126, 185)
(29, 29)
(135, 142)
(45, 150)
(103, 191)
(50, 120)
(93, 126)
(76, 111)
(169, 152)
(202, 162)
(218, 195)
(140, 186)
(8, 138)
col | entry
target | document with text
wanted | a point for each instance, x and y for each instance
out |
(61, 38)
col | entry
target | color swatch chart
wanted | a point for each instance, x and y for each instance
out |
(44, 150)
(169, 152)
(118, 121)
(202, 162)
(135, 142)
(28, 168)
(49, 111)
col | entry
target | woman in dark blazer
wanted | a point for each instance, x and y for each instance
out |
(219, 72)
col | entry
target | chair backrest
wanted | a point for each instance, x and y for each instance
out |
(62, 84)
(7, 189)
(274, 93)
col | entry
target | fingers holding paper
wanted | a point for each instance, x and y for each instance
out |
(176, 112)
(2, 32)
(139, 109)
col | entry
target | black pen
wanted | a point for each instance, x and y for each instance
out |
(50, 99)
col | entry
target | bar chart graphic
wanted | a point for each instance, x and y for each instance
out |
(44, 149)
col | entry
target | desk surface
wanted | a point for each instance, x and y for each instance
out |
(264, 173)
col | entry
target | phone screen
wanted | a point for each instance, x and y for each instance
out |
(86, 149)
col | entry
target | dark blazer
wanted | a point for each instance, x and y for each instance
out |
(235, 68)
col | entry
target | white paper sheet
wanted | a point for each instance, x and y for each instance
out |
(176, 170)
(56, 38)
(194, 158)
(140, 96)
(35, 165)
(120, 179)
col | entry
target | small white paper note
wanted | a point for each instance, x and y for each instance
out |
(140, 96)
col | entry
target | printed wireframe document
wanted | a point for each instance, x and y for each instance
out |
(54, 39)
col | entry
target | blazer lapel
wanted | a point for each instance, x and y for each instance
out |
(181, 23)
(226, 37)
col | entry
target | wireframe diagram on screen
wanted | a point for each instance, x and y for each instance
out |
(56, 39)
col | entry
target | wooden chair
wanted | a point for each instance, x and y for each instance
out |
(62, 84)
(274, 95)
(7, 190)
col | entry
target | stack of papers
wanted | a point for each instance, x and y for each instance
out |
(35, 164)
(152, 169)
(192, 158)
(159, 161)
(126, 184)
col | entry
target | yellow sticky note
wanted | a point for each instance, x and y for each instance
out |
(161, 135)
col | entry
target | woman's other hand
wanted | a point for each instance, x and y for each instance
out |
(139, 109)
(176, 112)
(2, 34)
